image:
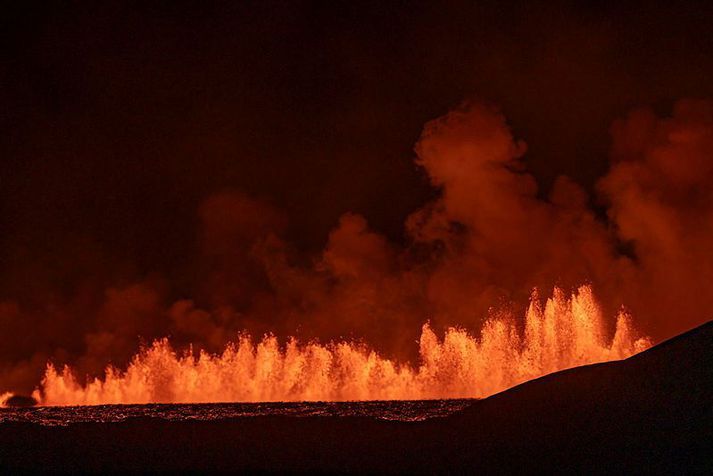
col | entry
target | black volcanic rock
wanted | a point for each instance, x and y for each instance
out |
(652, 413)
(20, 401)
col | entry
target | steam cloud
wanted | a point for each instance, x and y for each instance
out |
(486, 241)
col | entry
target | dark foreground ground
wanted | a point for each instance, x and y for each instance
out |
(652, 413)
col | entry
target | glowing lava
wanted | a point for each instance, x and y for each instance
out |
(567, 333)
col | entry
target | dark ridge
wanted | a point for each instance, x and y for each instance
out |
(652, 413)
(20, 401)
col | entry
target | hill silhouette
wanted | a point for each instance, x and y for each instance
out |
(651, 413)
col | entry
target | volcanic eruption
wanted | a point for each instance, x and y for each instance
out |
(356, 237)
(474, 254)
(245, 250)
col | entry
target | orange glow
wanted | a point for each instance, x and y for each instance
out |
(566, 333)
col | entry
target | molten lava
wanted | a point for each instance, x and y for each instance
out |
(568, 332)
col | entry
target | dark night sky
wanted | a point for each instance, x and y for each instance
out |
(118, 118)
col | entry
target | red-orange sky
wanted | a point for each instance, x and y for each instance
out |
(343, 169)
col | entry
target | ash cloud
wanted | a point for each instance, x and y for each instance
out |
(486, 240)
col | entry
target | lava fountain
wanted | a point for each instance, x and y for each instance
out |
(566, 332)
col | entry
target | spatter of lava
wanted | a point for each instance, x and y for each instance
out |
(567, 332)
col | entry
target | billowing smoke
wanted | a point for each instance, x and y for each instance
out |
(659, 193)
(487, 240)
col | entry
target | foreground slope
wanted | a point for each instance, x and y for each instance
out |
(650, 413)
